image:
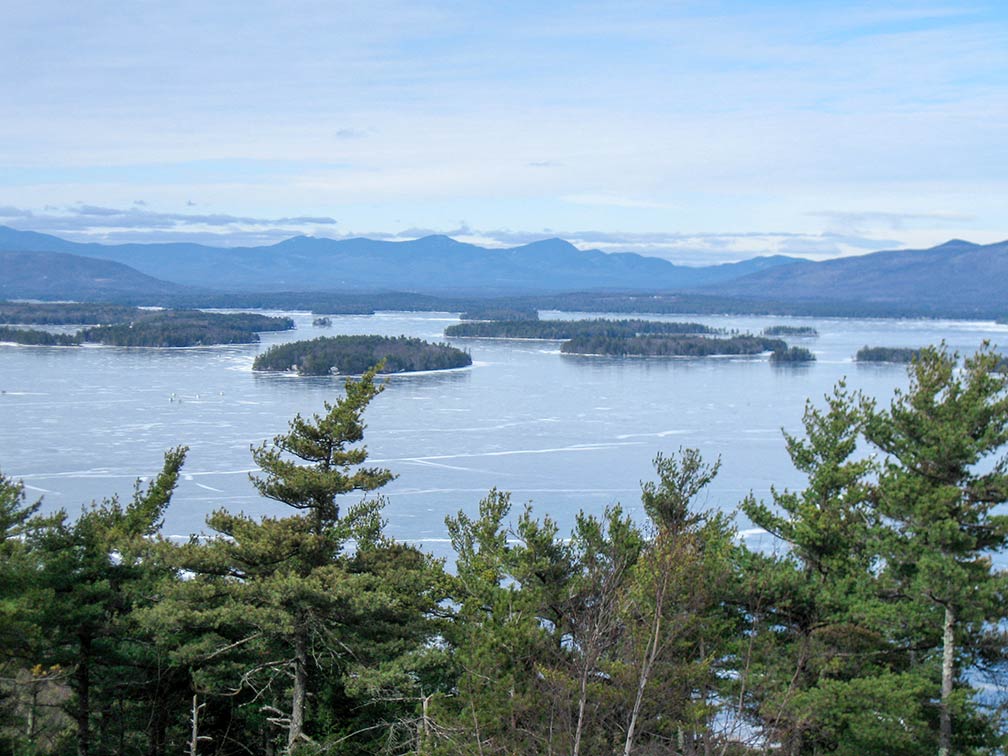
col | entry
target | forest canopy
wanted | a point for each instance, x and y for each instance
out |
(886, 354)
(671, 346)
(569, 329)
(133, 326)
(353, 355)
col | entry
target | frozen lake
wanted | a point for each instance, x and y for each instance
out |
(563, 432)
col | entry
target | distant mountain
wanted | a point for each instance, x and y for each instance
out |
(955, 276)
(433, 264)
(57, 275)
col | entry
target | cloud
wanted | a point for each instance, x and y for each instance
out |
(85, 222)
(139, 223)
(890, 220)
(704, 248)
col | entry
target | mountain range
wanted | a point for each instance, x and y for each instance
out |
(432, 264)
(955, 278)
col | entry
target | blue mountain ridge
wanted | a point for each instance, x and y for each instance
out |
(432, 264)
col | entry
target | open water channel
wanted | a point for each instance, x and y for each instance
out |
(564, 432)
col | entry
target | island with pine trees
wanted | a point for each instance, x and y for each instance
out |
(670, 346)
(560, 330)
(899, 355)
(791, 356)
(113, 325)
(353, 355)
(786, 330)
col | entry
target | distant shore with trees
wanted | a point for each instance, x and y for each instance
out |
(112, 325)
(559, 330)
(671, 346)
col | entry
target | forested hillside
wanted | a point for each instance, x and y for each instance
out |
(871, 623)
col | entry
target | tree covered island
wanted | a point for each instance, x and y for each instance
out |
(499, 312)
(35, 337)
(786, 330)
(671, 346)
(66, 313)
(791, 356)
(569, 329)
(902, 355)
(353, 355)
(112, 325)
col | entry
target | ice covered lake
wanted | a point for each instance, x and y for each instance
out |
(563, 432)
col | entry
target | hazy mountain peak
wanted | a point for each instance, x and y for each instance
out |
(956, 244)
(553, 242)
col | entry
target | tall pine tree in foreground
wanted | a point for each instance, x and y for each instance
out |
(297, 617)
(937, 494)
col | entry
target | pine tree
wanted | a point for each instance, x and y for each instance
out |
(275, 602)
(823, 673)
(941, 482)
(92, 573)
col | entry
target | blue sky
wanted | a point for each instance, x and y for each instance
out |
(699, 132)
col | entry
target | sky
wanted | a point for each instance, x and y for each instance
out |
(700, 132)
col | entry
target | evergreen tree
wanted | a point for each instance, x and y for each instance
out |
(824, 673)
(680, 629)
(937, 494)
(91, 573)
(298, 614)
(15, 631)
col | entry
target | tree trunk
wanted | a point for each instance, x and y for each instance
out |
(194, 738)
(300, 688)
(948, 673)
(83, 715)
(647, 663)
(582, 704)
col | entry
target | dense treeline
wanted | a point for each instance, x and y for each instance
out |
(130, 326)
(352, 355)
(65, 313)
(785, 330)
(671, 346)
(569, 329)
(35, 337)
(785, 355)
(499, 312)
(875, 631)
(886, 354)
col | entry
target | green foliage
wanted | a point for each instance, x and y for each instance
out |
(316, 633)
(66, 313)
(183, 328)
(133, 326)
(939, 490)
(791, 355)
(352, 355)
(90, 575)
(499, 312)
(785, 330)
(886, 354)
(533, 328)
(314, 615)
(35, 337)
(671, 346)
